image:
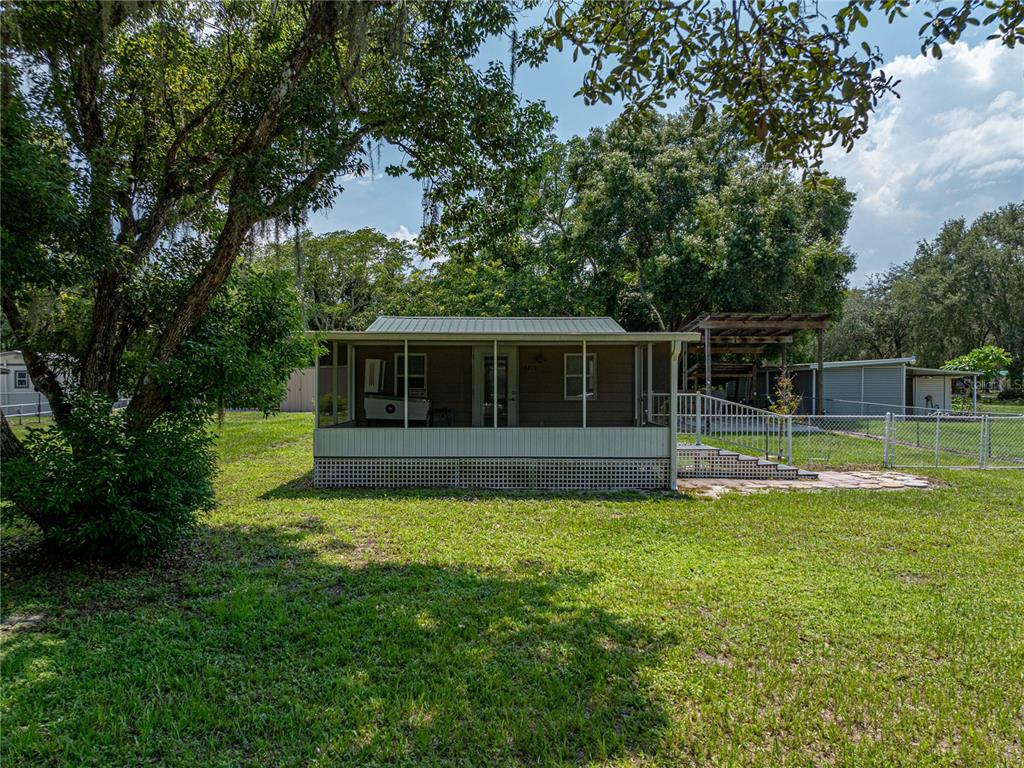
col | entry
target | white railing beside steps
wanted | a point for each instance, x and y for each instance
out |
(706, 419)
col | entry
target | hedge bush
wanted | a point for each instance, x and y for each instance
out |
(99, 490)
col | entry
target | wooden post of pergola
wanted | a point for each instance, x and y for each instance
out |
(819, 384)
(707, 361)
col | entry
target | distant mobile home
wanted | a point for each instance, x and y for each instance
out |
(18, 394)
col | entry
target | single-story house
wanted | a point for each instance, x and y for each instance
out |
(874, 387)
(557, 403)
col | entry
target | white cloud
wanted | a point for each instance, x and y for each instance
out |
(952, 145)
(362, 179)
(403, 234)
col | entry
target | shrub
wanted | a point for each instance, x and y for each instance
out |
(786, 401)
(963, 403)
(97, 489)
(1011, 393)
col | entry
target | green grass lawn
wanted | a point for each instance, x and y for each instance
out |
(307, 627)
(999, 406)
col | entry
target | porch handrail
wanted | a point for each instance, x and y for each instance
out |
(752, 430)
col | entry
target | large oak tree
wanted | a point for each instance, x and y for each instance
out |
(154, 138)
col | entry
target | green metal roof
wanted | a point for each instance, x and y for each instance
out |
(499, 325)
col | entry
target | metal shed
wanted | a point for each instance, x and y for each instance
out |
(874, 387)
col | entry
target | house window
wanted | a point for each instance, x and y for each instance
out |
(21, 379)
(574, 375)
(417, 374)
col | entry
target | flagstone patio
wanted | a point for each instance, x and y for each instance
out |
(826, 480)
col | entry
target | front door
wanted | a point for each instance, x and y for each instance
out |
(489, 371)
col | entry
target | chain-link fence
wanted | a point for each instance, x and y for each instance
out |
(35, 410)
(833, 441)
(950, 440)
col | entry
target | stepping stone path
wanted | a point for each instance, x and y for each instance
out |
(826, 480)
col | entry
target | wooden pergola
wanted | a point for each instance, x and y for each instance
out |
(750, 333)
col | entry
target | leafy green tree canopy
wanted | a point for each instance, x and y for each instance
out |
(791, 75)
(655, 223)
(347, 279)
(989, 360)
(961, 291)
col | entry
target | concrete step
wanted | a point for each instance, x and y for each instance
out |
(707, 462)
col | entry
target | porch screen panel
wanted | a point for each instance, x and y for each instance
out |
(333, 406)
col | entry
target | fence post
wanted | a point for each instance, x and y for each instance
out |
(885, 441)
(938, 416)
(988, 439)
(789, 439)
(698, 397)
(39, 407)
(981, 442)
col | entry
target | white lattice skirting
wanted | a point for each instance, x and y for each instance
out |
(494, 474)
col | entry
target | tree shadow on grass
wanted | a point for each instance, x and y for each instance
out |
(266, 652)
(302, 487)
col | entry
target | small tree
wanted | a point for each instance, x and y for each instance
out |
(252, 337)
(988, 361)
(785, 401)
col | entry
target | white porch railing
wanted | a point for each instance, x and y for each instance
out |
(706, 419)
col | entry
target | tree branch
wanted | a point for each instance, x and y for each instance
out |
(323, 23)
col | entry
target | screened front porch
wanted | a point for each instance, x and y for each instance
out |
(497, 385)
(523, 407)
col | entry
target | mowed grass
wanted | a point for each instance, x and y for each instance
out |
(306, 627)
(998, 406)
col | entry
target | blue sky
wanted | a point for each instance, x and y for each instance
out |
(951, 146)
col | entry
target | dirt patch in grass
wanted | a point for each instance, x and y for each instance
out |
(19, 622)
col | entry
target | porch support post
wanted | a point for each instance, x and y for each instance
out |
(494, 378)
(405, 380)
(686, 367)
(316, 391)
(673, 414)
(334, 383)
(707, 361)
(650, 381)
(819, 384)
(753, 383)
(350, 385)
(638, 387)
(584, 398)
